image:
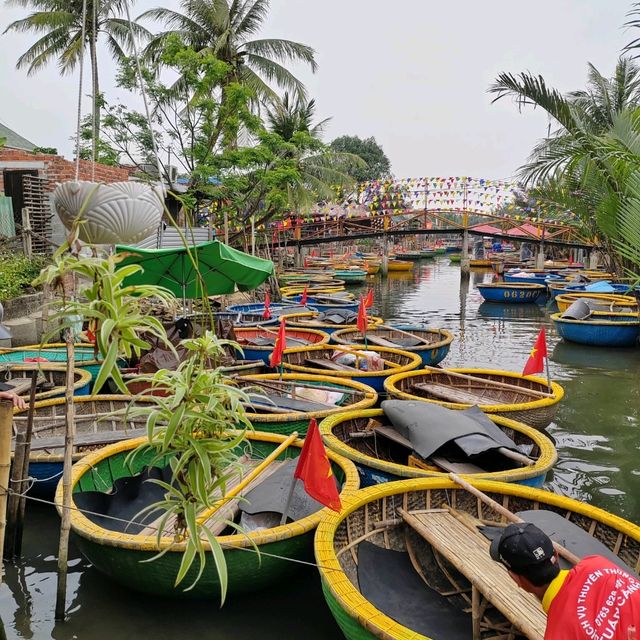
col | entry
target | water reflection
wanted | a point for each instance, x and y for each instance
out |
(510, 311)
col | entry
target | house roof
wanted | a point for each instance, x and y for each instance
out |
(14, 140)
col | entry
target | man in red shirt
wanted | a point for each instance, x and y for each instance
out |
(596, 600)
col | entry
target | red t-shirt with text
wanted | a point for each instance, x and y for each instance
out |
(598, 601)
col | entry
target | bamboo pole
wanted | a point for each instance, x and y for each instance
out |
(294, 383)
(510, 516)
(65, 525)
(19, 474)
(6, 417)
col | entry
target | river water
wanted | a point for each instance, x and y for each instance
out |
(597, 433)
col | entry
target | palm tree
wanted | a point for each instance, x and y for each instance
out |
(226, 28)
(59, 22)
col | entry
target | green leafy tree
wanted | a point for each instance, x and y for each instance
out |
(378, 166)
(226, 30)
(59, 23)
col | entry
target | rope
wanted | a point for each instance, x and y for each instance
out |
(80, 81)
(147, 526)
(154, 143)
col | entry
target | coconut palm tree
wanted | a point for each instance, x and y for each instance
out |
(227, 28)
(59, 22)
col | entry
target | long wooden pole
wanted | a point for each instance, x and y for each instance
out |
(6, 420)
(69, 437)
(512, 517)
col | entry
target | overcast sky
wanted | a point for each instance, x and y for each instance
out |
(412, 73)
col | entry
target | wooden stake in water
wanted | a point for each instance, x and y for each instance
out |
(6, 421)
(69, 437)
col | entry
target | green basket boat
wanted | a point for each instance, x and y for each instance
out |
(355, 396)
(455, 258)
(119, 555)
(384, 544)
(381, 460)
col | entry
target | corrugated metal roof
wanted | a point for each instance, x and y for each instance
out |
(14, 140)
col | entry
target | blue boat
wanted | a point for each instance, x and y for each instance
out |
(317, 303)
(601, 330)
(512, 293)
(432, 345)
(535, 278)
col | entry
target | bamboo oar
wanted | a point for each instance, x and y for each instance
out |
(295, 383)
(245, 481)
(512, 517)
(490, 383)
(405, 333)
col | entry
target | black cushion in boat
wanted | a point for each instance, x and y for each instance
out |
(387, 579)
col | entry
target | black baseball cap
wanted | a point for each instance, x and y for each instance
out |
(521, 546)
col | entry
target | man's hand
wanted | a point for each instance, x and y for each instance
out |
(15, 398)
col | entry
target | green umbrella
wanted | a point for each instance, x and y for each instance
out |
(222, 269)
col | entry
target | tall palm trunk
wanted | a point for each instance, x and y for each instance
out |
(95, 90)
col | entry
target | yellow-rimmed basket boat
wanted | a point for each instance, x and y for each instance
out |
(480, 263)
(310, 360)
(356, 396)
(378, 463)
(99, 420)
(307, 320)
(246, 337)
(120, 555)
(432, 345)
(53, 377)
(609, 302)
(297, 290)
(416, 539)
(399, 265)
(502, 393)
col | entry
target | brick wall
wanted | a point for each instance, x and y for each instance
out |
(57, 169)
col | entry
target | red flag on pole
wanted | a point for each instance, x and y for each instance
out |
(280, 345)
(535, 363)
(303, 297)
(314, 469)
(362, 321)
(368, 301)
(266, 314)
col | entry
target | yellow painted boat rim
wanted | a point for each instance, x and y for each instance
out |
(546, 459)
(557, 390)
(357, 606)
(100, 397)
(82, 526)
(370, 397)
(557, 317)
(297, 320)
(415, 360)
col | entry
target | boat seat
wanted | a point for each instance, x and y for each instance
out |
(452, 394)
(381, 342)
(321, 363)
(468, 552)
(85, 439)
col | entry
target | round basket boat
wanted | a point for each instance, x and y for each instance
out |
(602, 302)
(521, 398)
(512, 293)
(608, 330)
(308, 321)
(99, 420)
(319, 304)
(55, 352)
(54, 377)
(400, 265)
(310, 360)
(341, 433)
(252, 351)
(356, 396)
(120, 555)
(377, 545)
(434, 347)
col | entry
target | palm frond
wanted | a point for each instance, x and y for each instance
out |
(272, 71)
(283, 50)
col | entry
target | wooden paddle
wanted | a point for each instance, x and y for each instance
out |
(512, 517)
(491, 383)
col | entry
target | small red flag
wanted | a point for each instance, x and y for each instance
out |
(368, 301)
(280, 345)
(314, 469)
(303, 297)
(362, 321)
(266, 314)
(535, 363)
